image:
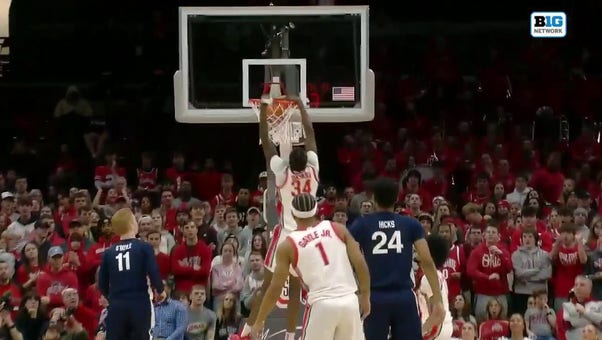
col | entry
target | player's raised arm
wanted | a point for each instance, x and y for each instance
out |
(269, 150)
(284, 259)
(358, 262)
(310, 136)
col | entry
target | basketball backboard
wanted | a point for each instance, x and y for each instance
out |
(224, 55)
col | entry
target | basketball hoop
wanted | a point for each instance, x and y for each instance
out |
(279, 114)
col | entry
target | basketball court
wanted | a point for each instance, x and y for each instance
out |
(231, 56)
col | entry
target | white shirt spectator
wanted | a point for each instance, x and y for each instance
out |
(518, 196)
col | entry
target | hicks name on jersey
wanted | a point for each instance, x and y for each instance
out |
(386, 224)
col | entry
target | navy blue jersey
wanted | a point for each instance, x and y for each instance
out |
(125, 271)
(387, 240)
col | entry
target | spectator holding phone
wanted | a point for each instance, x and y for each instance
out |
(578, 312)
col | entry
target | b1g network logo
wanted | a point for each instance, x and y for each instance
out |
(548, 24)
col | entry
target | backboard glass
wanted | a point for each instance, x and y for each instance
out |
(222, 65)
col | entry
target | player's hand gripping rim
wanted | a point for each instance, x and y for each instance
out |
(296, 99)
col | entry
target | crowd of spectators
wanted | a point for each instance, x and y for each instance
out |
(519, 202)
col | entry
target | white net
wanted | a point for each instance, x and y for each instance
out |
(297, 134)
(282, 130)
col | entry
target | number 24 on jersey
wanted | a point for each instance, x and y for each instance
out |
(385, 244)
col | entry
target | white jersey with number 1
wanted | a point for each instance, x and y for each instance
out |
(291, 184)
(322, 264)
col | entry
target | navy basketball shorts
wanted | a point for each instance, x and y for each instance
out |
(396, 311)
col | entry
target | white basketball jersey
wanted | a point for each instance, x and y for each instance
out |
(291, 184)
(425, 289)
(322, 263)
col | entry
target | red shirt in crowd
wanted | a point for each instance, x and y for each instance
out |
(473, 197)
(65, 215)
(326, 209)
(164, 263)
(566, 268)
(548, 184)
(94, 253)
(80, 269)
(104, 173)
(482, 263)
(52, 284)
(190, 265)
(455, 264)
(88, 319)
(15, 295)
(176, 176)
(436, 187)
(224, 199)
(583, 150)
(147, 179)
(207, 184)
(170, 222)
(22, 275)
(92, 300)
(257, 198)
(493, 329)
(55, 239)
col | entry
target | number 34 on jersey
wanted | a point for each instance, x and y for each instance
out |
(385, 244)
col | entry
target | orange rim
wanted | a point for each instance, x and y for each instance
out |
(282, 101)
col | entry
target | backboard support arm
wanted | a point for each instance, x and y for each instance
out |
(277, 46)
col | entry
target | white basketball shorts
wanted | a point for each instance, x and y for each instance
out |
(280, 234)
(334, 318)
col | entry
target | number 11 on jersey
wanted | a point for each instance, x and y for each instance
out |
(123, 261)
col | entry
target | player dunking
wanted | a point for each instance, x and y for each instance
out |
(294, 175)
(123, 278)
(386, 239)
(324, 255)
(439, 249)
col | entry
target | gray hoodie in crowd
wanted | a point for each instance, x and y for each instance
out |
(532, 269)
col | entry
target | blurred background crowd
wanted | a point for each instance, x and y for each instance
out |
(494, 137)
